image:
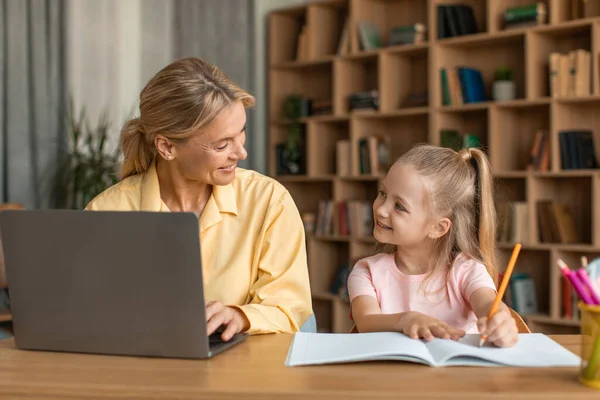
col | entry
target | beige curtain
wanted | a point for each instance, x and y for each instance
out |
(32, 75)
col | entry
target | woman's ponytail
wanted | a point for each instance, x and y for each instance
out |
(137, 154)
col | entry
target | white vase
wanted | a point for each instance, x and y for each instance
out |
(503, 90)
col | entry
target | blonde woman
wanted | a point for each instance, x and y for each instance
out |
(181, 155)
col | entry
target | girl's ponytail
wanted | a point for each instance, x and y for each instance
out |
(485, 210)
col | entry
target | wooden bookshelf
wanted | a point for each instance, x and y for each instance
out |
(506, 129)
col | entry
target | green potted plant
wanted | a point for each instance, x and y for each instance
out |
(87, 167)
(504, 85)
(292, 154)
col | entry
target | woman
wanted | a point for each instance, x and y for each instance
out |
(181, 154)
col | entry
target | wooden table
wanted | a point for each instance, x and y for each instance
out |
(254, 369)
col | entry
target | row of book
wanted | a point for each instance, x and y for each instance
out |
(462, 85)
(577, 149)
(304, 106)
(374, 155)
(513, 222)
(344, 218)
(370, 36)
(556, 223)
(455, 20)
(569, 300)
(570, 73)
(455, 140)
(539, 157)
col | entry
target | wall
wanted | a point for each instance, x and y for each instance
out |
(261, 11)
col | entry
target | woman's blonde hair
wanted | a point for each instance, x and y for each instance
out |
(184, 97)
(460, 187)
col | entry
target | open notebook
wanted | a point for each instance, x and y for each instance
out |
(532, 350)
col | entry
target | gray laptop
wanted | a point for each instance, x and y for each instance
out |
(127, 283)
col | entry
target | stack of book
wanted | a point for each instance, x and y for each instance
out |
(570, 73)
(364, 100)
(525, 16)
(344, 218)
(462, 85)
(407, 34)
(577, 149)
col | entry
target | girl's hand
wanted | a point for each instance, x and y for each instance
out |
(231, 319)
(416, 325)
(501, 330)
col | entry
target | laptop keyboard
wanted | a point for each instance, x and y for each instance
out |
(215, 339)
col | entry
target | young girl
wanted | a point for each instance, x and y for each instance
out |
(436, 276)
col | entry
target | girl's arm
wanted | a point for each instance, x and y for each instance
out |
(368, 318)
(501, 330)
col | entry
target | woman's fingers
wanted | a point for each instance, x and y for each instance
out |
(215, 316)
(232, 328)
(213, 308)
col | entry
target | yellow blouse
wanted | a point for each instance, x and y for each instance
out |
(252, 245)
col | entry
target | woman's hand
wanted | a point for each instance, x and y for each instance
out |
(232, 319)
(501, 330)
(416, 325)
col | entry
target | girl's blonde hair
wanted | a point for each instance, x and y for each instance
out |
(184, 97)
(461, 188)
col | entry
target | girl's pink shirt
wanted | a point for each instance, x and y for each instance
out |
(379, 277)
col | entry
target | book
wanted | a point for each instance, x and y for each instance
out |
(369, 35)
(532, 350)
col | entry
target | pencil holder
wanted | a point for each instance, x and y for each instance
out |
(589, 372)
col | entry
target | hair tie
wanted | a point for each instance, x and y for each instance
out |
(466, 154)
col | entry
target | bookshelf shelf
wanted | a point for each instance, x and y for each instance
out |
(465, 108)
(575, 100)
(546, 319)
(406, 49)
(5, 317)
(484, 39)
(299, 64)
(305, 58)
(523, 102)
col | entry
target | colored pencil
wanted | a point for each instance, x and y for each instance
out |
(503, 285)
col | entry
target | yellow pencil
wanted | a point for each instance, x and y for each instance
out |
(503, 285)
